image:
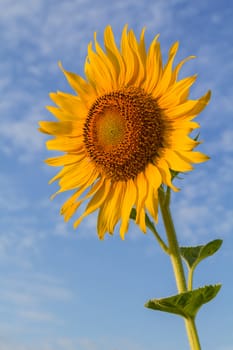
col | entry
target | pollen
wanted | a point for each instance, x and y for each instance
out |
(124, 131)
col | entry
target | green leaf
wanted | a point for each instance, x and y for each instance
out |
(174, 173)
(194, 255)
(133, 214)
(185, 304)
(197, 137)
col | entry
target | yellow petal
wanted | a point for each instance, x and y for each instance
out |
(151, 203)
(63, 171)
(65, 159)
(194, 157)
(69, 104)
(96, 201)
(110, 66)
(98, 72)
(166, 174)
(189, 109)
(63, 115)
(72, 204)
(142, 46)
(175, 162)
(153, 66)
(114, 208)
(69, 128)
(180, 141)
(129, 58)
(65, 144)
(186, 125)
(167, 72)
(114, 55)
(153, 176)
(101, 222)
(139, 73)
(128, 202)
(141, 220)
(142, 192)
(175, 95)
(176, 71)
(85, 91)
(78, 176)
(110, 210)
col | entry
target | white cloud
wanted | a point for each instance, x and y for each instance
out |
(37, 316)
(10, 194)
(65, 343)
(221, 143)
(28, 302)
(203, 207)
(21, 138)
(34, 289)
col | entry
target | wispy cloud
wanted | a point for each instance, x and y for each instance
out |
(29, 301)
(203, 207)
(65, 343)
(20, 138)
(34, 289)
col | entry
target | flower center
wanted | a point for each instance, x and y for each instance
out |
(110, 128)
(124, 131)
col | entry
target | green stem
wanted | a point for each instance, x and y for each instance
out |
(177, 264)
(151, 226)
(190, 279)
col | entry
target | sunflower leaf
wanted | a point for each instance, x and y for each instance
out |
(185, 304)
(194, 255)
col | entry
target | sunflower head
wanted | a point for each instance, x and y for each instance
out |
(124, 132)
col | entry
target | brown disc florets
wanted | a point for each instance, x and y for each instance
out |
(123, 132)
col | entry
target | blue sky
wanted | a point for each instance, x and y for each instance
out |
(63, 289)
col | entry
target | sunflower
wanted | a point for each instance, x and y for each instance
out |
(123, 132)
